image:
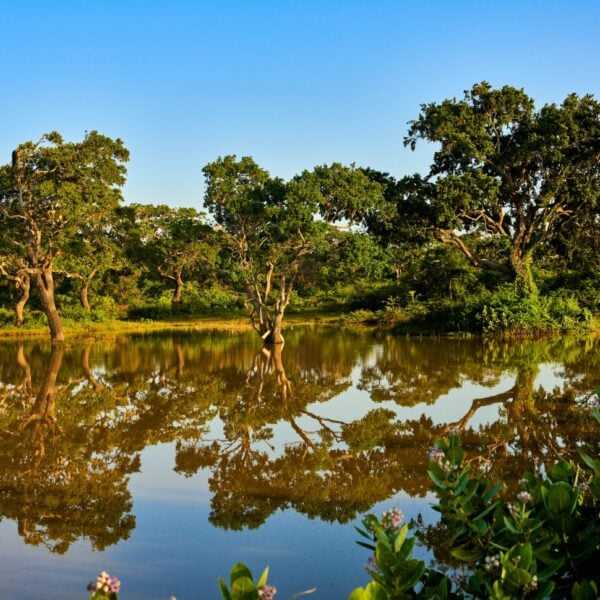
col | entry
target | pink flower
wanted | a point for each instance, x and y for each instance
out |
(266, 592)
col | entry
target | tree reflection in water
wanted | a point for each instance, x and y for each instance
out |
(74, 423)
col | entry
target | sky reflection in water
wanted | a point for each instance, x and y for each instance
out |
(196, 451)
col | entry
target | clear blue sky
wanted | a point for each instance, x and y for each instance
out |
(291, 83)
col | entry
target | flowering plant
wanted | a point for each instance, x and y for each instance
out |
(541, 543)
(105, 587)
(242, 586)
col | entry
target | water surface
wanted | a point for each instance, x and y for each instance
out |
(165, 459)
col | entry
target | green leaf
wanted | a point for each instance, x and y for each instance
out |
(559, 500)
(561, 471)
(400, 537)
(487, 510)
(491, 492)
(593, 463)
(585, 590)
(382, 537)
(462, 483)
(437, 475)
(551, 568)
(364, 545)
(224, 591)
(455, 455)
(509, 524)
(263, 578)
(239, 570)
(468, 555)
(357, 594)
(413, 571)
(374, 591)
(364, 533)
(407, 548)
(526, 554)
(243, 589)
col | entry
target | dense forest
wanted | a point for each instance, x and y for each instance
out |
(502, 234)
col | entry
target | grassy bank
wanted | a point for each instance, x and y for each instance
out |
(114, 326)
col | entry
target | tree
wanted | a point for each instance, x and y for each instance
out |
(49, 192)
(175, 242)
(87, 256)
(270, 226)
(21, 281)
(508, 170)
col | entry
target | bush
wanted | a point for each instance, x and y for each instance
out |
(544, 543)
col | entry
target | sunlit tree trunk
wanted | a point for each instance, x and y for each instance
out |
(45, 284)
(83, 295)
(24, 285)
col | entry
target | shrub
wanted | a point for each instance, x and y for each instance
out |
(543, 543)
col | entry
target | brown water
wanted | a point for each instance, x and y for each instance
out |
(167, 458)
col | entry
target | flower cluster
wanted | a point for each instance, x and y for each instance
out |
(392, 518)
(105, 586)
(524, 497)
(532, 585)
(492, 562)
(435, 454)
(266, 592)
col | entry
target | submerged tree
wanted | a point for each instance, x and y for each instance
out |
(270, 226)
(49, 192)
(508, 170)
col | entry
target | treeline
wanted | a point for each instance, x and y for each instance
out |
(502, 233)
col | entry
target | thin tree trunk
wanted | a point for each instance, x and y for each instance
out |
(83, 295)
(45, 285)
(24, 284)
(22, 362)
(177, 292)
(87, 370)
(180, 359)
(43, 410)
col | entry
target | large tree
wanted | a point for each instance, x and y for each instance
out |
(49, 192)
(509, 170)
(270, 226)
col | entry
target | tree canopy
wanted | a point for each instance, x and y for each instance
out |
(506, 169)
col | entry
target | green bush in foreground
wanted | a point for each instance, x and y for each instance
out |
(545, 543)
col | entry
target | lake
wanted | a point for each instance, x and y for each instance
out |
(166, 458)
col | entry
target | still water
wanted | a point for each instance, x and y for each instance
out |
(165, 459)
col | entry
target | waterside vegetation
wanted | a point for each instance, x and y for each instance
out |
(501, 235)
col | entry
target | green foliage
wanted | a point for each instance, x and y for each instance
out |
(503, 169)
(543, 543)
(507, 310)
(242, 586)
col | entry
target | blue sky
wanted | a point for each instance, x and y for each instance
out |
(291, 83)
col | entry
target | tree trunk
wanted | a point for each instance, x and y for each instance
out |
(180, 359)
(83, 295)
(274, 336)
(282, 380)
(45, 285)
(24, 284)
(521, 266)
(177, 292)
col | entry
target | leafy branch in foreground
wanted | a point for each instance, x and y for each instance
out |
(544, 543)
